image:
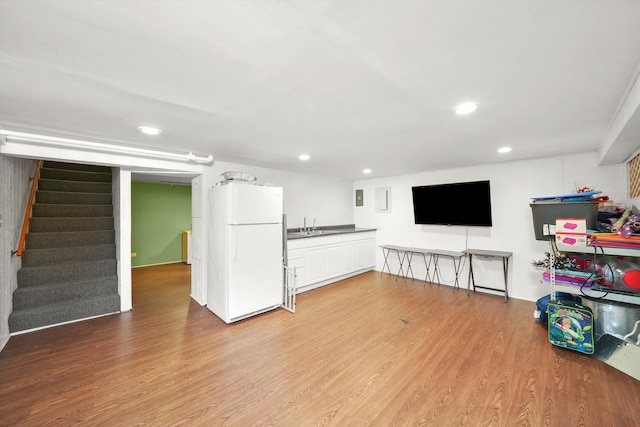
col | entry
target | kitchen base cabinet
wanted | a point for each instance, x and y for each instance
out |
(332, 261)
(327, 259)
(314, 264)
(347, 255)
(296, 261)
(364, 253)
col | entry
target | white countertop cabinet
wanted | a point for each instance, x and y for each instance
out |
(323, 260)
(348, 254)
(364, 251)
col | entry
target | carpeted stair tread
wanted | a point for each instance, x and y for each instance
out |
(60, 210)
(67, 255)
(58, 273)
(75, 166)
(73, 198)
(21, 320)
(44, 224)
(45, 240)
(50, 293)
(75, 175)
(74, 186)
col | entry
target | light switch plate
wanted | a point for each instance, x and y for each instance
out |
(383, 199)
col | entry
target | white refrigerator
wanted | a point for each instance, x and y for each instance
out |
(245, 264)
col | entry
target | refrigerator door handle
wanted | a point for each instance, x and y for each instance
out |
(234, 239)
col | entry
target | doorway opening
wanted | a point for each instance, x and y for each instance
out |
(160, 233)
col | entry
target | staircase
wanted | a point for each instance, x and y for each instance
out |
(69, 263)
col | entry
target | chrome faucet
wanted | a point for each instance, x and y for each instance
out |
(306, 229)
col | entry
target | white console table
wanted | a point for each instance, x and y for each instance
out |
(456, 258)
(427, 257)
(405, 256)
(483, 253)
(386, 250)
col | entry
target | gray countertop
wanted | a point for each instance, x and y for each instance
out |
(296, 233)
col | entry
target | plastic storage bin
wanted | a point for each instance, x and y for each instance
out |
(547, 213)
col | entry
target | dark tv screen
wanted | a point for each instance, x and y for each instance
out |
(460, 203)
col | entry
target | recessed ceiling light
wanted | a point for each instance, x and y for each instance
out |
(366, 170)
(304, 157)
(504, 149)
(466, 108)
(149, 130)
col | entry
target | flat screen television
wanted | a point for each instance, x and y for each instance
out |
(460, 203)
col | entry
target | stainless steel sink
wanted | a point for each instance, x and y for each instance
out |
(306, 233)
(323, 232)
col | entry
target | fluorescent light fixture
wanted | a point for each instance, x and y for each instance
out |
(503, 150)
(102, 147)
(366, 170)
(304, 157)
(147, 130)
(466, 108)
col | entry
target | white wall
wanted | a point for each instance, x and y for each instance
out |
(14, 192)
(122, 224)
(328, 200)
(198, 240)
(512, 186)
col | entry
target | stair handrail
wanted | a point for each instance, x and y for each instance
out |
(27, 213)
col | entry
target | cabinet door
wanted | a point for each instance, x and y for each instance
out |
(314, 264)
(370, 253)
(348, 258)
(359, 254)
(295, 254)
(332, 258)
(365, 253)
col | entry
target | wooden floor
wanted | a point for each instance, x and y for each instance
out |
(365, 351)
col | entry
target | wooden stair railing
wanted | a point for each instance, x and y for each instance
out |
(27, 214)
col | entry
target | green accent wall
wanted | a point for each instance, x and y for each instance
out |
(159, 214)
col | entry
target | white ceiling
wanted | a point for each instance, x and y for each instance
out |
(354, 84)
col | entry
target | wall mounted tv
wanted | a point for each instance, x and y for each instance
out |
(460, 203)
